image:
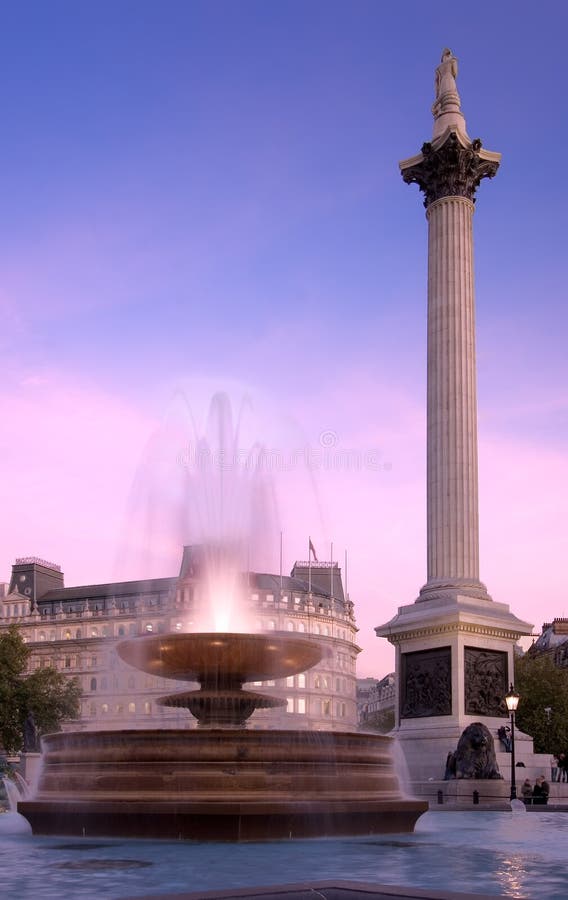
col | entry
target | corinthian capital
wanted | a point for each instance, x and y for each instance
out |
(450, 169)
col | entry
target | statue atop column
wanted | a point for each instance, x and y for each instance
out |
(445, 85)
(451, 164)
(446, 108)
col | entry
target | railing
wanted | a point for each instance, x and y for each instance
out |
(37, 561)
(306, 564)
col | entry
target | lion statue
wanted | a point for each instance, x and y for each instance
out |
(475, 755)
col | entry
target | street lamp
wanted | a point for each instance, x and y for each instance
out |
(512, 701)
(548, 713)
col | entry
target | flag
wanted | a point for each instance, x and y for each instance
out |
(313, 550)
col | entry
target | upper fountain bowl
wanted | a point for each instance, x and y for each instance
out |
(219, 657)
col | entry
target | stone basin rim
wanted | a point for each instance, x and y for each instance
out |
(199, 656)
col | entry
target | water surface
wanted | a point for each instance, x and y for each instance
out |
(494, 853)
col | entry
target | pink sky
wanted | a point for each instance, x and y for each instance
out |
(68, 490)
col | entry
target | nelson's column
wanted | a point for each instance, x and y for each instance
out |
(454, 644)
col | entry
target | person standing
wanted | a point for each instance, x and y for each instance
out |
(554, 770)
(527, 792)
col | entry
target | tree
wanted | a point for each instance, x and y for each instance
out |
(49, 696)
(381, 721)
(543, 685)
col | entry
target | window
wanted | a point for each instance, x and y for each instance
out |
(67, 635)
(93, 684)
(121, 631)
(271, 625)
(131, 682)
(290, 681)
(131, 708)
(317, 682)
(104, 684)
(93, 709)
(42, 635)
(290, 626)
(52, 635)
(147, 707)
(301, 626)
(104, 708)
(289, 704)
(301, 705)
(301, 681)
(78, 633)
(106, 631)
(326, 707)
(149, 627)
(119, 709)
(93, 661)
(94, 631)
(67, 662)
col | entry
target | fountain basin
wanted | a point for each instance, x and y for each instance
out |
(214, 658)
(219, 785)
(221, 662)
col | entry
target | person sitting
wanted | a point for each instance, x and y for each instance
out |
(541, 791)
(504, 735)
(527, 792)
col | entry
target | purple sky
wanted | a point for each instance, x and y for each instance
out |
(206, 195)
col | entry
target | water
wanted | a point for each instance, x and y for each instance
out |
(206, 485)
(11, 823)
(493, 853)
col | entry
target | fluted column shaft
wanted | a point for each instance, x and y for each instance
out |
(452, 493)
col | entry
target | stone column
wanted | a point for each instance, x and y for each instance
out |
(453, 536)
(448, 171)
(454, 645)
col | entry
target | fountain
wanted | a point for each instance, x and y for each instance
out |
(220, 781)
(11, 822)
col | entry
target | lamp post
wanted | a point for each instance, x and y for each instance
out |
(548, 713)
(512, 701)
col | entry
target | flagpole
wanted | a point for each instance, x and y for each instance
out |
(309, 565)
(346, 590)
(331, 572)
(280, 563)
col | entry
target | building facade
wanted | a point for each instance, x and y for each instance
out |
(553, 642)
(376, 701)
(76, 629)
